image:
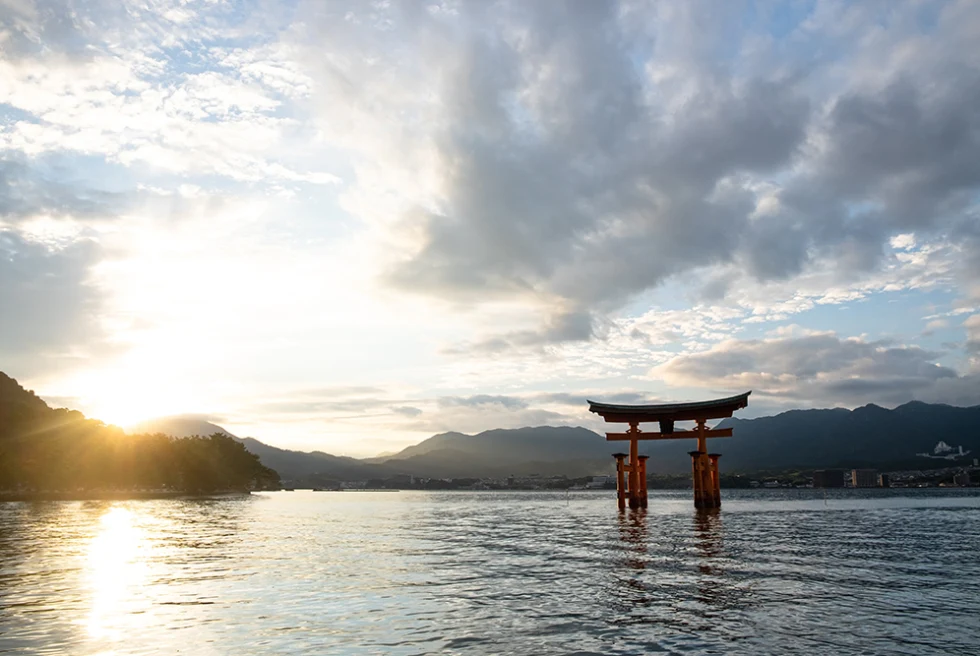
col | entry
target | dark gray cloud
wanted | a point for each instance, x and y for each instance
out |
(600, 200)
(967, 236)
(558, 328)
(592, 151)
(905, 158)
(822, 369)
(47, 301)
(972, 346)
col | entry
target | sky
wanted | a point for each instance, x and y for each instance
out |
(347, 226)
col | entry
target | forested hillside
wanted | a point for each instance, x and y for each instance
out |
(48, 449)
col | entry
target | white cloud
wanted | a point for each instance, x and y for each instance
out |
(475, 200)
(820, 368)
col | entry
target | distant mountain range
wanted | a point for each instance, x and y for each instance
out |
(914, 435)
(870, 436)
(306, 467)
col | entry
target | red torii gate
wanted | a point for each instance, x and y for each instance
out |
(704, 465)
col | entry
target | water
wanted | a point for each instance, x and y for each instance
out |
(493, 573)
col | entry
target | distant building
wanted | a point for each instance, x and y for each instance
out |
(962, 479)
(884, 481)
(600, 482)
(828, 478)
(864, 478)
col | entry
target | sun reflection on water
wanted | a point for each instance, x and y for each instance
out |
(116, 568)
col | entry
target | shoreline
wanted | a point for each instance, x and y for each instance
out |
(111, 495)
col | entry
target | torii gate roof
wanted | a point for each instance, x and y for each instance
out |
(714, 409)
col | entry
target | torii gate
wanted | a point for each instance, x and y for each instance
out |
(704, 465)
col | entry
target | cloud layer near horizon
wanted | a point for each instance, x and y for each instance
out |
(467, 200)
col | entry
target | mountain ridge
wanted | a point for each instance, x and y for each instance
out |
(805, 438)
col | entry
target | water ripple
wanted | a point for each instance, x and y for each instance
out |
(493, 573)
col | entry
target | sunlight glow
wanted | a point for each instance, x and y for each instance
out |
(116, 568)
(143, 384)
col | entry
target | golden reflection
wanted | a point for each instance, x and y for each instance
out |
(116, 567)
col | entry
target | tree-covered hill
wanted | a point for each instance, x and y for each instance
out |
(46, 449)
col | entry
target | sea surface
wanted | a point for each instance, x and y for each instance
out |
(775, 572)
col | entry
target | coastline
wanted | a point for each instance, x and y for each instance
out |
(116, 495)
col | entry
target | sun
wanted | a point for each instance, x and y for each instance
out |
(125, 398)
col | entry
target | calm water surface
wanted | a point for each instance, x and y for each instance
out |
(493, 573)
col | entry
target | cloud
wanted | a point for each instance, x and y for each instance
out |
(558, 193)
(972, 326)
(820, 368)
(192, 90)
(573, 193)
(574, 158)
(27, 191)
(483, 401)
(359, 400)
(561, 327)
(49, 305)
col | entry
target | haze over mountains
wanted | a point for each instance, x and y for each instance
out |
(869, 436)
(807, 439)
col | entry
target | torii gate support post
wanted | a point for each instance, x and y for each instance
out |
(620, 480)
(696, 478)
(704, 468)
(634, 469)
(643, 481)
(715, 479)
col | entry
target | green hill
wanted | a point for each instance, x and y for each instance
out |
(47, 449)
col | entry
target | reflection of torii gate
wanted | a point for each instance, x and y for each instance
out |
(707, 492)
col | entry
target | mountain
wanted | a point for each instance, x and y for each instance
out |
(869, 435)
(544, 450)
(45, 450)
(315, 467)
(515, 446)
(178, 426)
(303, 468)
(806, 439)
(13, 396)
